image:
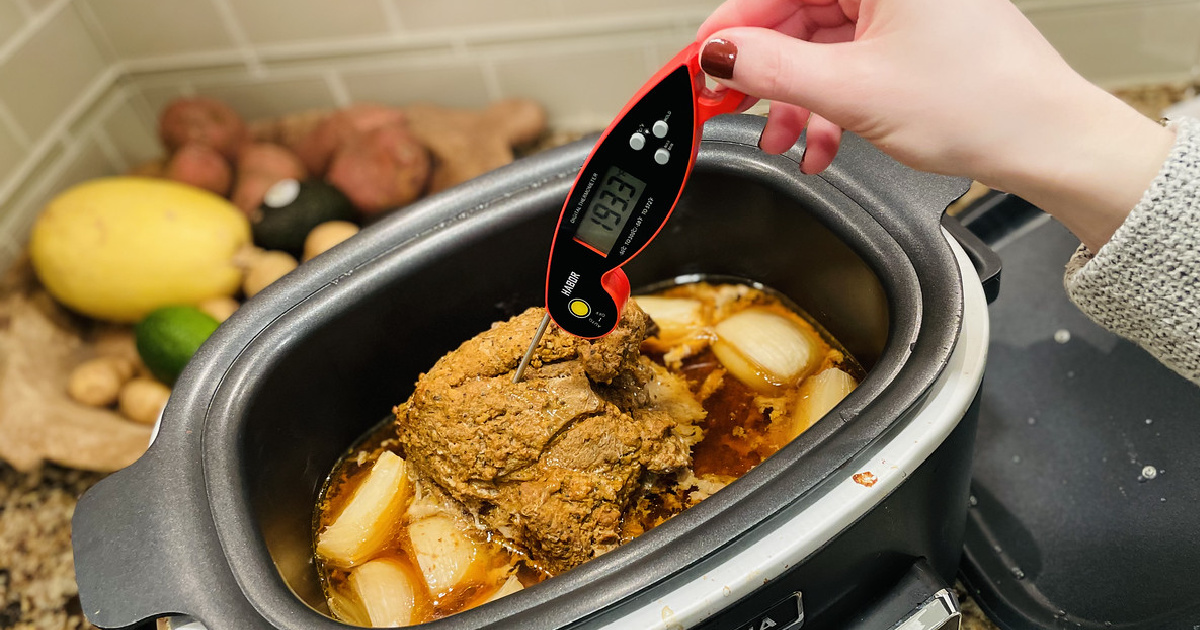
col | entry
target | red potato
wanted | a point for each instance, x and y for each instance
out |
(381, 170)
(201, 120)
(200, 166)
(259, 166)
(341, 128)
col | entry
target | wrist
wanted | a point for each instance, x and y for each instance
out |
(1087, 160)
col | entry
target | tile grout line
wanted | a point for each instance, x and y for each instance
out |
(106, 146)
(95, 28)
(491, 80)
(31, 29)
(661, 21)
(240, 39)
(57, 132)
(10, 123)
(10, 223)
(337, 87)
(392, 15)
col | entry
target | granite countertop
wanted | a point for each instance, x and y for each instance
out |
(37, 583)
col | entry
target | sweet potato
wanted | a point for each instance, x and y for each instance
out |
(200, 166)
(382, 169)
(466, 143)
(259, 166)
(339, 129)
(204, 121)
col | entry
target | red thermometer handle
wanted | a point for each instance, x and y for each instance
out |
(625, 192)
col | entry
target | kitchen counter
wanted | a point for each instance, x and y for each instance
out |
(37, 573)
(37, 586)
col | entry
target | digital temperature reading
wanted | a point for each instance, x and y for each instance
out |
(610, 210)
(657, 136)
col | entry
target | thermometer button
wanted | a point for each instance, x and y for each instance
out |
(579, 308)
(659, 128)
(637, 141)
(662, 156)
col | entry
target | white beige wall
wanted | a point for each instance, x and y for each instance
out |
(81, 81)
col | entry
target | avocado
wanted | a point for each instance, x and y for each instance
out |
(291, 209)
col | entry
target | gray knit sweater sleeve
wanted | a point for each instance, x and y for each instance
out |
(1144, 284)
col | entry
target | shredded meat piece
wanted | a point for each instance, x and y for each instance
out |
(551, 463)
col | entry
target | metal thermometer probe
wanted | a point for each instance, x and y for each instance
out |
(623, 195)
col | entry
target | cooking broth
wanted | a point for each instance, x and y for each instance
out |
(754, 407)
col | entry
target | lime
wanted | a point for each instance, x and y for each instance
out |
(168, 337)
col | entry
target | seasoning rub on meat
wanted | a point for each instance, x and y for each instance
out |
(552, 462)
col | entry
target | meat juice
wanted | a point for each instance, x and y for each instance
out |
(744, 425)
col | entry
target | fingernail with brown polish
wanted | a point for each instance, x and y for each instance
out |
(717, 57)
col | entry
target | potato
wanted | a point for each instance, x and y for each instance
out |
(219, 308)
(97, 382)
(142, 399)
(384, 169)
(201, 166)
(265, 269)
(333, 133)
(204, 121)
(259, 166)
(325, 236)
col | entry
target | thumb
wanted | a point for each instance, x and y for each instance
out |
(770, 65)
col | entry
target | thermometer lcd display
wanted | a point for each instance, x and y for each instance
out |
(610, 210)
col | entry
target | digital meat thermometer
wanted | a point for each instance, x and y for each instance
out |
(623, 196)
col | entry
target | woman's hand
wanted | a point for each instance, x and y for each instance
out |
(959, 87)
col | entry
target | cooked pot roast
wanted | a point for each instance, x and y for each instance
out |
(482, 486)
(550, 462)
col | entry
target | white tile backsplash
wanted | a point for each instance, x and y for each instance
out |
(1114, 44)
(46, 75)
(455, 85)
(133, 139)
(271, 97)
(589, 86)
(12, 152)
(101, 70)
(418, 15)
(12, 18)
(157, 28)
(275, 21)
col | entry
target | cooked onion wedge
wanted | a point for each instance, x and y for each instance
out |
(765, 350)
(366, 522)
(676, 317)
(385, 591)
(820, 393)
(510, 586)
(443, 552)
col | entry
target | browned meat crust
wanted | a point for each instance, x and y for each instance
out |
(551, 462)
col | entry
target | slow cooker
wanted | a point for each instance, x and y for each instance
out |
(858, 523)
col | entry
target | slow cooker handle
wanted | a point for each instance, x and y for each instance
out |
(987, 262)
(117, 551)
(125, 536)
